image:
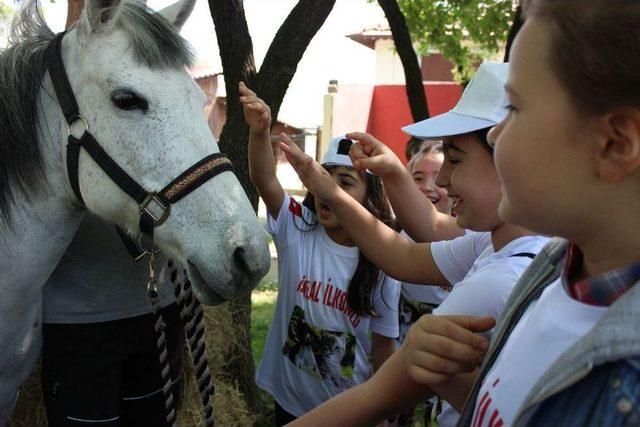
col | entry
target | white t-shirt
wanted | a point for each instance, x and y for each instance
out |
(431, 294)
(486, 288)
(454, 258)
(317, 346)
(546, 330)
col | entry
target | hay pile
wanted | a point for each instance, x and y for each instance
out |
(29, 412)
(229, 408)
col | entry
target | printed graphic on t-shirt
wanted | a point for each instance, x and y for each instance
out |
(329, 295)
(327, 355)
(409, 313)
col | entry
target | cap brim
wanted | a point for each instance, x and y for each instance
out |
(345, 164)
(350, 165)
(447, 124)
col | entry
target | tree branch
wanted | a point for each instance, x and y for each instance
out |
(236, 48)
(413, 76)
(287, 48)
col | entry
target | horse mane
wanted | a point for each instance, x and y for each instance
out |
(22, 66)
(155, 42)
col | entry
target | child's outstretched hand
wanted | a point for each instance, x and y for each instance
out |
(316, 178)
(438, 347)
(369, 153)
(257, 114)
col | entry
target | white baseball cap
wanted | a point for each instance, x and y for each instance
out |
(338, 152)
(483, 104)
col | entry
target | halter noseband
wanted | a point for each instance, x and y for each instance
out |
(155, 206)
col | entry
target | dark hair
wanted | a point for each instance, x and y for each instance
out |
(413, 147)
(595, 50)
(482, 135)
(365, 278)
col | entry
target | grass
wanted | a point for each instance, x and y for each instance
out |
(263, 304)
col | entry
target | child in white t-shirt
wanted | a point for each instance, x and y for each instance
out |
(336, 313)
(416, 299)
(471, 180)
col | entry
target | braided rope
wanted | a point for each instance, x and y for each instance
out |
(161, 344)
(192, 317)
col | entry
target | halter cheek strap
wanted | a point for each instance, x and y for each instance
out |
(155, 207)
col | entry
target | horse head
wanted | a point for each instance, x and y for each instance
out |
(127, 69)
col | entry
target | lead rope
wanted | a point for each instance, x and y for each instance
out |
(161, 342)
(192, 317)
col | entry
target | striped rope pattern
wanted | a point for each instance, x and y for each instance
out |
(163, 358)
(192, 317)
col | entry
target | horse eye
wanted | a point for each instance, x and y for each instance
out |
(128, 101)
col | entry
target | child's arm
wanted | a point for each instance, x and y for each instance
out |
(416, 214)
(446, 345)
(262, 165)
(381, 349)
(399, 258)
(394, 387)
(385, 394)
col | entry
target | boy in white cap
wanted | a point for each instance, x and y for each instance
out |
(482, 277)
(335, 310)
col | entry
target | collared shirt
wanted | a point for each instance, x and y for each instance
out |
(601, 290)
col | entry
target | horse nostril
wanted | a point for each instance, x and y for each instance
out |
(239, 257)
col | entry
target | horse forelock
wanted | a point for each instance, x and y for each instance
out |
(155, 43)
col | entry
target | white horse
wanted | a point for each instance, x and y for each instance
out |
(127, 69)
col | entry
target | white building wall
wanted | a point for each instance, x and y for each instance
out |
(388, 65)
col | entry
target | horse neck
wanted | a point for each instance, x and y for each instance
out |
(43, 224)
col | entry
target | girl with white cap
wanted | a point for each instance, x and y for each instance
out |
(335, 310)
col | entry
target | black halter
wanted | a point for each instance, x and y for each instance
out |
(155, 206)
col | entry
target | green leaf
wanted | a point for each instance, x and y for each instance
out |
(464, 31)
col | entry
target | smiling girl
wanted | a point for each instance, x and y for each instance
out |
(418, 300)
(424, 167)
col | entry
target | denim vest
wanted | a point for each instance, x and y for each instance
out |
(596, 381)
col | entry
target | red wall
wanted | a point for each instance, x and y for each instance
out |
(390, 111)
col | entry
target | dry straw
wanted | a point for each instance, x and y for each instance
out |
(229, 408)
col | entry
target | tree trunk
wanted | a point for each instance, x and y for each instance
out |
(276, 72)
(236, 52)
(412, 73)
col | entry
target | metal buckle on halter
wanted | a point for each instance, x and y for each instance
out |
(143, 248)
(147, 208)
(79, 120)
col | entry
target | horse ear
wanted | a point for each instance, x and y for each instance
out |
(178, 12)
(99, 14)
